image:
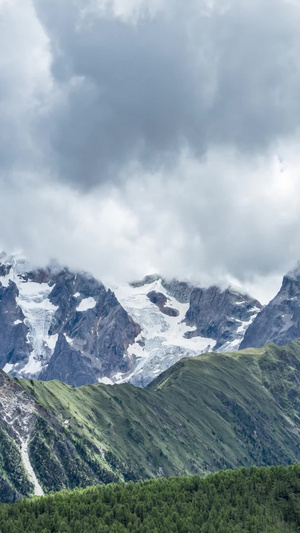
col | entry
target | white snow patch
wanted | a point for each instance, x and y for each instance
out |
(17, 322)
(117, 376)
(6, 279)
(86, 303)
(68, 339)
(38, 311)
(51, 341)
(76, 294)
(8, 367)
(33, 365)
(38, 491)
(105, 381)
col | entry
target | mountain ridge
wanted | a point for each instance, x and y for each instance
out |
(212, 412)
(58, 324)
(279, 321)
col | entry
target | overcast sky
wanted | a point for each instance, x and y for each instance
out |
(141, 136)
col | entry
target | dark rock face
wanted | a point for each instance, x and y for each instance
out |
(98, 337)
(13, 332)
(89, 329)
(69, 365)
(279, 321)
(160, 300)
(220, 315)
(178, 289)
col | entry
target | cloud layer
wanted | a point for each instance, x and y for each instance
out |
(159, 136)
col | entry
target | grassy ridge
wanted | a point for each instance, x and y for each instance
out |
(259, 500)
(215, 411)
(204, 414)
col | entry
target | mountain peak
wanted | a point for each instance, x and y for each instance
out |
(40, 309)
(279, 321)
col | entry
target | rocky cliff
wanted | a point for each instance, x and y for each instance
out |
(279, 321)
(57, 324)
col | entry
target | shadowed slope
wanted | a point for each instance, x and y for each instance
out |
(204, 414)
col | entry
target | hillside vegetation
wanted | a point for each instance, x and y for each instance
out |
(259, 500)
(204, 414)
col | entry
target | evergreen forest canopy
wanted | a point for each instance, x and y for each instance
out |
(257, 500)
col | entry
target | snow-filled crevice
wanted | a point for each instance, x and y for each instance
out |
(242, 326)
(38, 311)
(85, 304)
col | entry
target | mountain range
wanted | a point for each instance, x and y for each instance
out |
(203, 379)
(56, 324)
(59, 324)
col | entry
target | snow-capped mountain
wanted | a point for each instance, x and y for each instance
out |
(178, 320)
(279, 321)
(58, 324)
(164, 334)
(223, 315)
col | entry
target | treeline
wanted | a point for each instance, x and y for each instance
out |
(258, 500)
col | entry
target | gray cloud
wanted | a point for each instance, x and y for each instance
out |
(164, 141)
(143, 89)
(188, 224)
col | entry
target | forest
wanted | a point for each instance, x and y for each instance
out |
(255, 500)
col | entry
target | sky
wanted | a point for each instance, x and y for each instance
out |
(142, 136)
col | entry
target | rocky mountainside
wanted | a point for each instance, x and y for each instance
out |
(223, 315)
(57, 324)
(179, 320)
(279, 321)
(204, 414)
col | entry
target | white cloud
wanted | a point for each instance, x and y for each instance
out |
(152, 137)
(221, 220)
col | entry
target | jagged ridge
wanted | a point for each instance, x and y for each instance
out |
(58, 324)
(279, 321)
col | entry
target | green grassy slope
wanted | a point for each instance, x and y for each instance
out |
(13, 479)
(202, 415)
(259, 500)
